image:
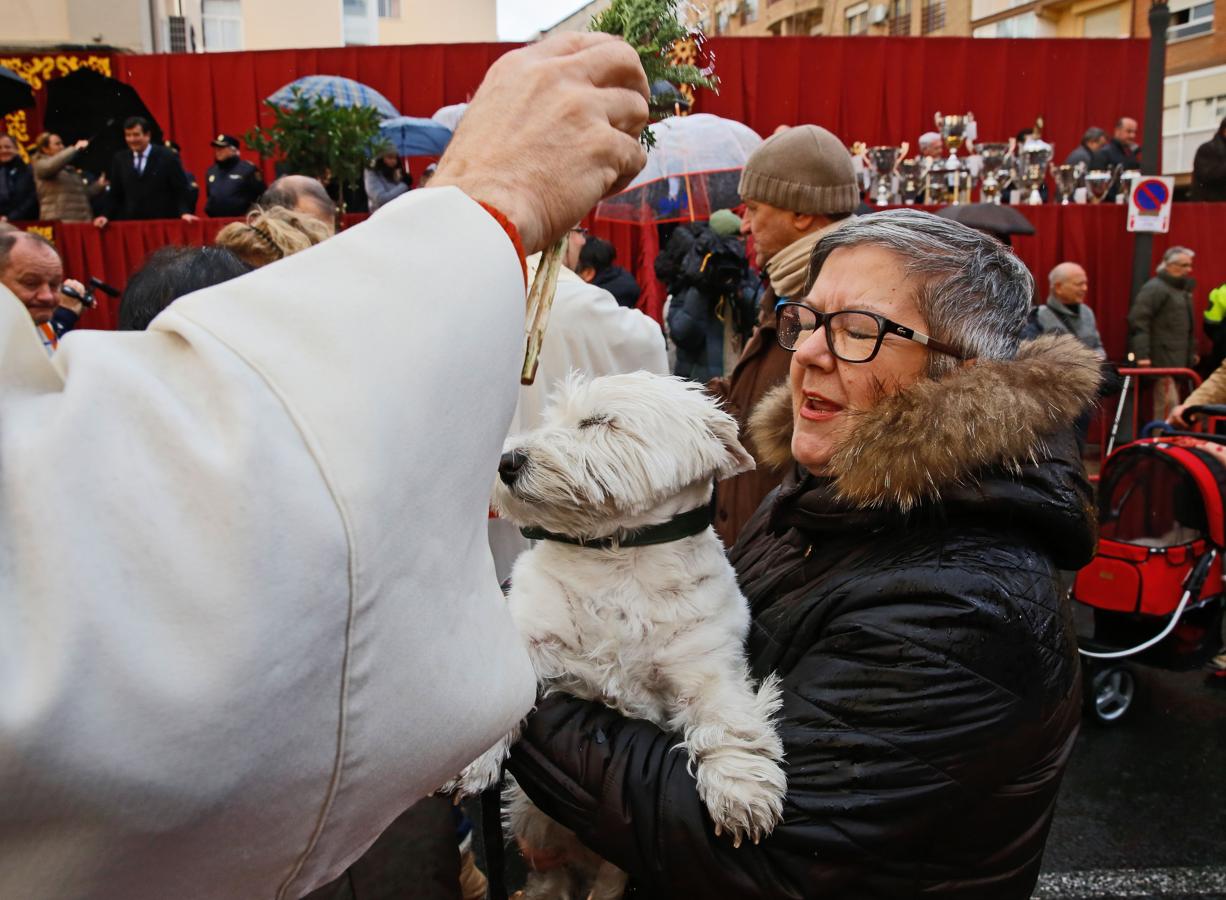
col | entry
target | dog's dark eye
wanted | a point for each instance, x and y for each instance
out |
(593, 420)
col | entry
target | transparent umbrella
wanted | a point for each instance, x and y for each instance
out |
(693, 170)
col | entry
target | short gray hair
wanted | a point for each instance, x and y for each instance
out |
(1172, 252)
(1093, 133)
(974, 293)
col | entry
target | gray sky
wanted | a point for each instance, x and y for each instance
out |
(519, 20)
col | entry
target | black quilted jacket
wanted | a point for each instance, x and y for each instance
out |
(931, 700)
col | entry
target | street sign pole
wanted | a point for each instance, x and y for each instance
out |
(1151, 143)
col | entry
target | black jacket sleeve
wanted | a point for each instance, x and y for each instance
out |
(25, 197)
(889, 731)
(179, 185)
(112, 202)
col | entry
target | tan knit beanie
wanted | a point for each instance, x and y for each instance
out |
(804, 169)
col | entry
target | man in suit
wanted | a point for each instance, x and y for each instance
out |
(147, 182)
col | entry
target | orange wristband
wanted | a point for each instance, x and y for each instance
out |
(512, 232)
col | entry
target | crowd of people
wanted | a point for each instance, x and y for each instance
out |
(280, 627)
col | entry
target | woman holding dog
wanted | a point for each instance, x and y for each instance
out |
(903, 585)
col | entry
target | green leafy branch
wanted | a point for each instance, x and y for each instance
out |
(652, 27)
(316, 137)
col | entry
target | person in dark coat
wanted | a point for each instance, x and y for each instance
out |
(596, 267)
(147, 181)
(714, 302)
(902, 584)
(797, 185)
(1121, 150)
(1091, 142)
(232, 184)
(1161, 327)
(18, 197)
(1209, 168)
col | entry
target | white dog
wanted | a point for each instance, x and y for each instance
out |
(628, 598)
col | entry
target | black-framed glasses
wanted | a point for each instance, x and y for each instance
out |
(853, 335)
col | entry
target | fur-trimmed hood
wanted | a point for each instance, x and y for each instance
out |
(936, 435)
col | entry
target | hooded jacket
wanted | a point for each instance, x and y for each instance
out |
(1160, 322)
(1209, 168)
(909, 603)
(63, 192)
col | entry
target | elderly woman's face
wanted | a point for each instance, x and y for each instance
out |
(826, 391)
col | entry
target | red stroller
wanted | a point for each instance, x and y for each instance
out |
(1155, 583)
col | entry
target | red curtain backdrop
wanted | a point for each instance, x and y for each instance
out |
(886, 90)
(876, 90)
(1093, 236)
(195, 97)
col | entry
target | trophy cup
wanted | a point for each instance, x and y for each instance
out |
(884, 162)
(955, 131)
(995, 175)
(1032, 162)
(1127, 180)
(939, 179)
(910, 174)
(1067, 179)
(1099, 183)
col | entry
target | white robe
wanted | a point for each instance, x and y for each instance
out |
(248, 612)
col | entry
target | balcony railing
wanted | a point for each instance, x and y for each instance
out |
(933, 17)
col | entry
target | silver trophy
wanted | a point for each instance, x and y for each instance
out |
(910, 178)
(1067, 179)
(995, 173)
(940, 181)
(955, 131)
(1032, 162)
(1099, 183)
(1127, 180)
(884, 162)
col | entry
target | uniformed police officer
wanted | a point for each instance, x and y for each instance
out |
(232, 183)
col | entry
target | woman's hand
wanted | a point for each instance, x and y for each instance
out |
(81, 144)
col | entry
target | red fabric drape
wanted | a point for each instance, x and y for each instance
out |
(877, 90)
(1093, 236)
(120, 249)
(886, 90)
(194, 97)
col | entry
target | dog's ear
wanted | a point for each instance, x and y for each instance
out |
(736, 459)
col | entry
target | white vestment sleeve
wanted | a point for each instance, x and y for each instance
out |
(248, 613)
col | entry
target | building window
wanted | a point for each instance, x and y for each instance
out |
(223, 24)
(933, 16)
(900, 17)
(749, 11)
(857, 19)
(1190, 18)
(1206, 112)
(389, 9)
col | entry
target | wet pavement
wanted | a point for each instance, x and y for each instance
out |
(1142, 811)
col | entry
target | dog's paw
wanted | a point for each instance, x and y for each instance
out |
(743, 793)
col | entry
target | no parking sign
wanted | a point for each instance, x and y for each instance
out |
(1149, 204)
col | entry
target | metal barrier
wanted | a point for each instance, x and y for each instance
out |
(1122, 424)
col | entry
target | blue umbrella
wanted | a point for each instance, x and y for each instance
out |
(416, 137)
(342, 91)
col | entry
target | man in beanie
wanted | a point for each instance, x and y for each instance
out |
(797, 186)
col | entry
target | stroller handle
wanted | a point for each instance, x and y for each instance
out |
(1192, 587)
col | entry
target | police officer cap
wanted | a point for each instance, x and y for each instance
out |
(225, 140)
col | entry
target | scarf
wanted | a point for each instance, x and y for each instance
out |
(789, 268)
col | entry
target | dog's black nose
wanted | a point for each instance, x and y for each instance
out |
(509, 466)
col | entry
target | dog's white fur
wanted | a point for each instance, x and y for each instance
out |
(656, 632)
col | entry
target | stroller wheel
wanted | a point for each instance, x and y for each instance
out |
(1111, 693)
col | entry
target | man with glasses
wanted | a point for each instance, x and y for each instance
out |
(1161, 332)
(797, 186)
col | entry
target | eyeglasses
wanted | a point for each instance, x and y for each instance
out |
(579, 230)
(852, 335)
